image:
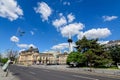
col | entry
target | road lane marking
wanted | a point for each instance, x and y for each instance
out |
(85, 77)
(32, 72)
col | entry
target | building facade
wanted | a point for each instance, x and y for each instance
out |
(29, 57)
(32, 56)
(62, 58)
(53, 58)
(47, 58)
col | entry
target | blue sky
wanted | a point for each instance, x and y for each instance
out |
(47, 23)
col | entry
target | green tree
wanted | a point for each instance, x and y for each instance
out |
(83, 45)
(4, 60)
(94, 52)
(90, 55)
(103, 60)
(76, 57)
(115, 53)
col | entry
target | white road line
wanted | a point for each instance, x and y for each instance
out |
(32, 72)
(85, 77)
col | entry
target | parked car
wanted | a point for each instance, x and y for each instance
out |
(73, 64)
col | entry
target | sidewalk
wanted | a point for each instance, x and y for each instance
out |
(115, 72)
(9, 77)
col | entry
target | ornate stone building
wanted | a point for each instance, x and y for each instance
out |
(53, 58)
(62, 58)
(29, 57)
(32, 56)
(47, 58)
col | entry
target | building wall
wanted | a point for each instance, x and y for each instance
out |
(28, 57)
(63, 58)
(49, 58)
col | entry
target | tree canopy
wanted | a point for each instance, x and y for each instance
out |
(91, 52)
(115, 53)
(76, 57)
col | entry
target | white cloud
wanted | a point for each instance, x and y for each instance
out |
(95, 33)
(31, 45)
(44, 10)
(71, 29)
(62, 21)
(103, 42)
(60, 14)
(14, 39)
(21, 50)
(60, 46)
(22, 45)
(26, 45)
(109, 18)
(10, 9)
(32, 33)
(66, 26)
(66, 3)
(80, 35)
(70, 17)
(59, 22)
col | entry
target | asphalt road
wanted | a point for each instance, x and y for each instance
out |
(30, 73)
